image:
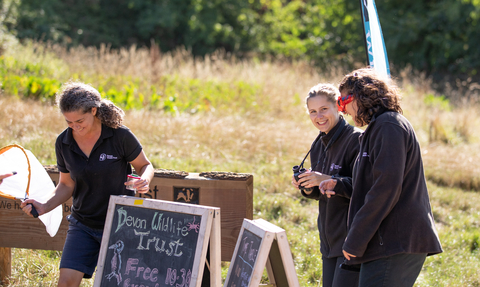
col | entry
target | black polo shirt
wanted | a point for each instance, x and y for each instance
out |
(100, 175)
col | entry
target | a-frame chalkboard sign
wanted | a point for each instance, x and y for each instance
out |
(261, 245)
(148, 242)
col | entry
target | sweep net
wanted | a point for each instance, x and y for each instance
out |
(31, 181)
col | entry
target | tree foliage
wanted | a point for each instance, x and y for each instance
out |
(436, 36)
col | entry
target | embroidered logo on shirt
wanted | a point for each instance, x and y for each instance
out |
(106, 156)
(335, 167)
(365, 154)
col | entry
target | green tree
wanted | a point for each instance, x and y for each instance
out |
(436, 36)
(8, 17)
(316, 30)
(199, 25)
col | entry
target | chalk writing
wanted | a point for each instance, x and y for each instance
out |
(172, 244)
(123, 219)
(158, 248)
(172, 278)
(244, 261)
(168, 225)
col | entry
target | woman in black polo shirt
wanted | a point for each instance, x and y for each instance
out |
(94, 157)
(332, 155)
(391, 226)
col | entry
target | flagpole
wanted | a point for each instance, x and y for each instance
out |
(372, 34)
(362, 14)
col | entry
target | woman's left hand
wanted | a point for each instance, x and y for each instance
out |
(142, 185)
(311, 178)
(326, 187)
(347, 255)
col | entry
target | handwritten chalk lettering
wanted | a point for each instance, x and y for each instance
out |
(247, 251)
(237, 271)
(172, 245)
(125, 219)
(126, 283)
(146, 273)
(166, 224)
(245, 276)
(172, 277)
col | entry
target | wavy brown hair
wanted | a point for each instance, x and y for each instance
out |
(324, 89)
(77, 96)
(371, 92)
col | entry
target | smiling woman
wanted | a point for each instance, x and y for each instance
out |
(332, 156)
(94, 157)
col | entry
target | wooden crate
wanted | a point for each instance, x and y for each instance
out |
(232, 193)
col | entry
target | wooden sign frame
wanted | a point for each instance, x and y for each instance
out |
(273, 254)
(209, 237)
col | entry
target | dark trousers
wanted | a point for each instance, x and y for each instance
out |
(334, 276)
(395, 271)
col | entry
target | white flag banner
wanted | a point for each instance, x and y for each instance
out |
(375, 45)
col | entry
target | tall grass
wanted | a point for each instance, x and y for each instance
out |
(264, 134)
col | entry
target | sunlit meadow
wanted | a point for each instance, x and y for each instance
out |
(227, 114)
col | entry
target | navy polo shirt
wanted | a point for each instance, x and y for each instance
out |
(100, 175)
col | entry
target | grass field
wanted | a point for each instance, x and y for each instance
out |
(259, 127)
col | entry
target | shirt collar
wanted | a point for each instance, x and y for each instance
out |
(106, 133)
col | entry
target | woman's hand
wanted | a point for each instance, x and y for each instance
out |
(2, 176)
(27, 208)
(145, 169)
(347, 255)
(295, 183)
(140, 185)
(311, 178)
(326, 187)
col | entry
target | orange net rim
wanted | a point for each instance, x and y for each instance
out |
(6, 148)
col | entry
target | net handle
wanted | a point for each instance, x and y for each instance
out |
(8, 147)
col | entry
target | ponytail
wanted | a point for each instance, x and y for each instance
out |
(109, 114)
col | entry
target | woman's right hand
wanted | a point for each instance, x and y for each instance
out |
(27, 208)
(326, 187)
(294, 182)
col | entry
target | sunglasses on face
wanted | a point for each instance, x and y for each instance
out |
(342, 102)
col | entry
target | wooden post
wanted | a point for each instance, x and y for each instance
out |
(5, 265)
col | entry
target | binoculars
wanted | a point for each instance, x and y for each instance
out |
(297, 170)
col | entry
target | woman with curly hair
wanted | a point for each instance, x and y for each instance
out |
(390, 223)
(94, 157)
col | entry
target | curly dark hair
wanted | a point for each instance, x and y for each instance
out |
(371, 92)
(77, 96)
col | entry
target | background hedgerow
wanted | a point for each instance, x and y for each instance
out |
(225, 114)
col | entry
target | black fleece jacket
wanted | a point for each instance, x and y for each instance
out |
(390, 210)
(336, 161)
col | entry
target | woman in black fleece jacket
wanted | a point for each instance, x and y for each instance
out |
(390, 223)
(332, 154)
